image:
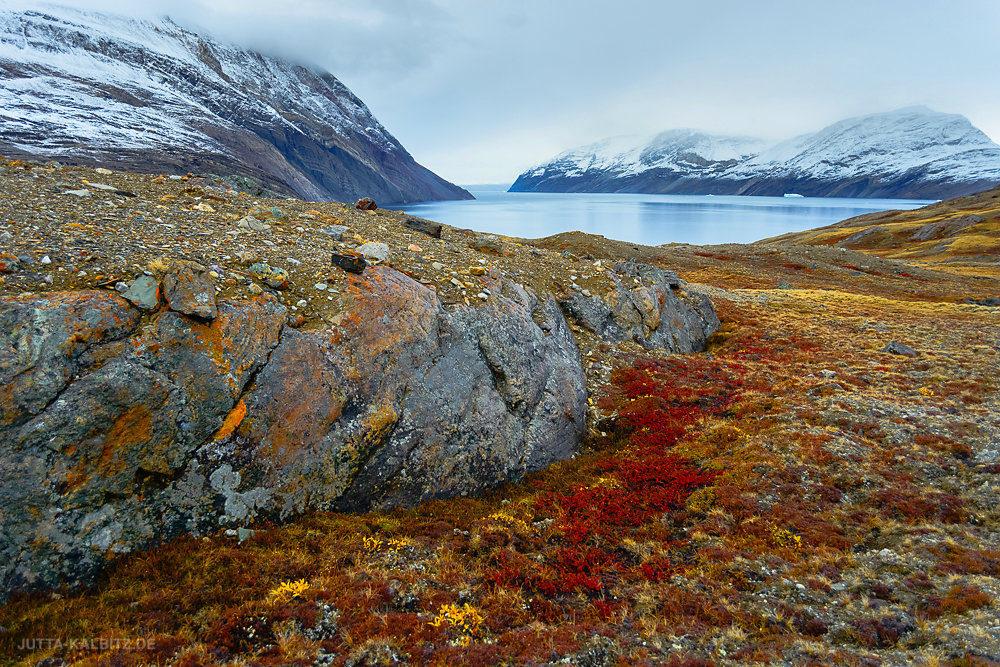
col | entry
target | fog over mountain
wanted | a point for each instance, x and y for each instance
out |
(479, 92)
(149, 95)
(914, 153)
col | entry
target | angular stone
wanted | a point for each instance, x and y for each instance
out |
(351, 263)
(9, 263)
(432, 229)
(262, 213)
(252, 223)
(189, 289)
(144, 293)
(895, 347)
(487, 244)
(378, 252)
(111, 463)
(365, 204)
(272, 276)
(335, 232)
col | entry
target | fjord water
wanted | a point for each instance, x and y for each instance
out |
(647, 219)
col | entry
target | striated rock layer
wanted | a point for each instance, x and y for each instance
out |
(121, 429)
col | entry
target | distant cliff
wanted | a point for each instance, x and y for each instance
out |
(151, 96)
(909, 153)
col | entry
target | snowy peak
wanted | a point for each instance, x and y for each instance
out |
(151, 95)
(697, 149)
(675, 149)
(888, 143)
(912, 152)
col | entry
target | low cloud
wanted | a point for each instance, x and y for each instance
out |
(480, 91)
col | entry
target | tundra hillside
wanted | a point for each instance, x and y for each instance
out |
(818, 485)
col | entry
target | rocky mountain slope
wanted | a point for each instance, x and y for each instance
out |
(151, 96)
(909, 153)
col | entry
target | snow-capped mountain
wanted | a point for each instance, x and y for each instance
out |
(913, 152)
(152, 96)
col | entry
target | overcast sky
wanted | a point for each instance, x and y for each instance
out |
(479, 91)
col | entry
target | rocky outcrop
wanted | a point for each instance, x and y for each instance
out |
(944, 228)
(119, 430)
(648, 306)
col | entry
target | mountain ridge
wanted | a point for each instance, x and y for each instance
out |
(93, 87)
(912, 152)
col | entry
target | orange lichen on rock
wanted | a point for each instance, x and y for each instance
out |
(232, 421)
(134, 427)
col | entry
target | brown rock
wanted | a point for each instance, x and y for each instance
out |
(9, 263)
(350, 262)
(189, 289)
(432, 229)
(487, 244)
(365, 204)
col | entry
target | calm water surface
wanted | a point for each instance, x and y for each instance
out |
(648, 219)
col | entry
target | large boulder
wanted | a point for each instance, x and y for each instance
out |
(115, 436)
(647, 305)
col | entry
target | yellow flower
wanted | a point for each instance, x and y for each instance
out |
(466, 620)
(287, 590)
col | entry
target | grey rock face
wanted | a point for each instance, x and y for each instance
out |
(114, 437)
(647, 306)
